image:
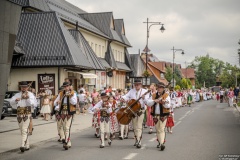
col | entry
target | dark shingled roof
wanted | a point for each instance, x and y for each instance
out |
(87, 50)
(137, 64)
(109, 57)
(128, 60)
(119, 27)
(105, 63)
(123, 66)
(47, 42)
(68, 14)
(102, 21)
(37, 4)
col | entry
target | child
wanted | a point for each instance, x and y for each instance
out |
(46, 108)
(105, 110)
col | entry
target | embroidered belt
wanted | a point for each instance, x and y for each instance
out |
(23, 110)
(22, 113)
(155, 119)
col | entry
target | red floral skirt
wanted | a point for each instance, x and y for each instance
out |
(170, 122)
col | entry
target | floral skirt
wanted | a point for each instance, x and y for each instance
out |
(150, 122)
(114, 127)
(96, 120)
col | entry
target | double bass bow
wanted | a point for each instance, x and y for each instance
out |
(125, 115)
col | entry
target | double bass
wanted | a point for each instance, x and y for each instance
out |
(125, 115)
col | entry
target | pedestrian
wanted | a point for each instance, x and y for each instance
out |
(96, 117)
(170, 121)
(236, 93)
(161, 111)
(230, 97)
(67, 100)
(189, 99)
(113, 118)
(150, 122)
(221, 95)
(82, 100)
(23, 102)
(94, 93)
(58, 118)
(46, 108)
(135, 94)
(105, 110)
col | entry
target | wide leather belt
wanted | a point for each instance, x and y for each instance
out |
(23, 110)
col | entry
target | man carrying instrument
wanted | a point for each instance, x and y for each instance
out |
(135, 94)
(105, 111)
(67, 101)
(160, 111)
(24, 101)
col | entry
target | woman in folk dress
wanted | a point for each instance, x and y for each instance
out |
(96, 118)
(46, 108)
(113, 118)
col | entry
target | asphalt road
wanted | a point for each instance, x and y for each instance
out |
(202, 132)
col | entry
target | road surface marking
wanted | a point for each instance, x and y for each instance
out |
(153, 139)
(143, 146)
(130, 156)
(177, 124)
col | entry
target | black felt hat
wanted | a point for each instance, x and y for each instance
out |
(104, 94)
(161, 85)
(65, 84)
(23, 84)
(137, 81)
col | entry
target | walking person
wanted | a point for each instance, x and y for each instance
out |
(82, 100)
(230, 96)
(105, 110)
(67, 101)
(46, 108)
(23, 102)
(161, 111)
(150, 122)
(135, 94)
(113, 118)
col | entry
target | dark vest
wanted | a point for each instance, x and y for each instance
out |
(163, 111)
(70, 108)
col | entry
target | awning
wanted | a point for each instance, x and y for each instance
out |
(84, 75)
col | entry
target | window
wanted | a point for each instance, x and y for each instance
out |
(96, 50)
(162, 75)
(116, 55)
(99, 50)
(92, 46)
(103, 52)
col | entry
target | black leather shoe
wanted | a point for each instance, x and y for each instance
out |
(110, 143)
(63, 141)
(120, 138)
(22, 149)
(135, 144)
(162, 147)
(101, 146)
(27, 149)
(59, 140)
(139, 146)
(66, 147)
(158, 146)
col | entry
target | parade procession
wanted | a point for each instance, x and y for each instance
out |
(119, 80)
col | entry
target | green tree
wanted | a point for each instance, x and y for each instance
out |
(168, 74)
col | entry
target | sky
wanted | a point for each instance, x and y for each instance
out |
(199, 27)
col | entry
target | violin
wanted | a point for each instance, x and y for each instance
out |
(125, 115)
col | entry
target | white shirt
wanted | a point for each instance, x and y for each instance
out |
(150, 102)
(134, 94)
(31, 101)
(81, 97)
(99, 106)
(72, 100)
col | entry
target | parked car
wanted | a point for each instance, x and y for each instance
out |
(7, 109)
(8, 96)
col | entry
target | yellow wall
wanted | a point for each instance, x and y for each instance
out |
(31, 74)
(118, 51)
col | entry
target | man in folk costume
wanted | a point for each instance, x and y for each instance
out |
(105, 111)
(23, 102)
(135, 94)
(160, 112)
(58, 118)
(67, 101)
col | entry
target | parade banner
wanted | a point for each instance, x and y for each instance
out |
(46, 83)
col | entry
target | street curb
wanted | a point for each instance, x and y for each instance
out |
(34, 145)
(237, 107)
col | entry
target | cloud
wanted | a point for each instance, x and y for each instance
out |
(198, 27)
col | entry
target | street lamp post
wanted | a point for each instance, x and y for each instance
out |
(146, 50)
(175, 50)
